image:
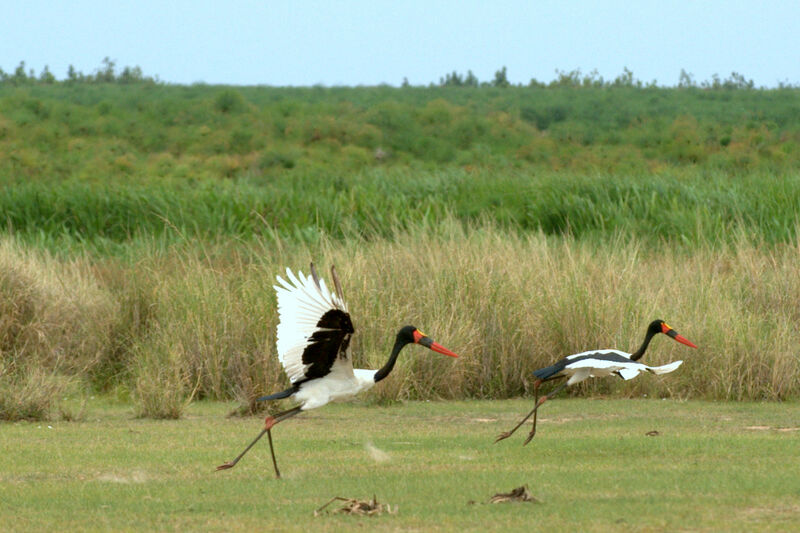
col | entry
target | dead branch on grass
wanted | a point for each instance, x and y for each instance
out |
(357, 507)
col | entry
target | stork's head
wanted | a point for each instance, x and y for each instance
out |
(659, 326)
(410, 334)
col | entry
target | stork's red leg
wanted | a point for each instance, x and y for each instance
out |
(231, 464)
(268, 423)
(280, 417)
(535, 414)
(507, 434)
(535, 409)
(272, 452)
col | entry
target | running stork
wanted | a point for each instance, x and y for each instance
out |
(598, 363)
(313, 344)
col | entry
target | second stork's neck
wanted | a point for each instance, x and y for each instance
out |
(385, 369)
(640, 352)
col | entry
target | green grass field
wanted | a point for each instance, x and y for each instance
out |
(712, 467)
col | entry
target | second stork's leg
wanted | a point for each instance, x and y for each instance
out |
(506, 434)
(535, 409)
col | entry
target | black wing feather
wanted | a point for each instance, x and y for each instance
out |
(553, 371)
(328, 343)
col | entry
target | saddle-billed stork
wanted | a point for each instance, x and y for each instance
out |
(313, 344)
(598, 363)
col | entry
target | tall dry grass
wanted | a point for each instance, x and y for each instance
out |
(511, 304)
(198, 321)
(56, 322)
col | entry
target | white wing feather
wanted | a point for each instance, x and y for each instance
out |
(664, 369)
(301, 304)
(595, 367)
(628, 373)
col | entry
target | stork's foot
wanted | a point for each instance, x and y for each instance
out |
(226, 466)
(503, 435)
(530, 436)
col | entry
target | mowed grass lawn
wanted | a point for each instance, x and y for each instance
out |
(592, 466)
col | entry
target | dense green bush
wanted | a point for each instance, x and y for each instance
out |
(693, 208)
(103, 162)
(102, 132)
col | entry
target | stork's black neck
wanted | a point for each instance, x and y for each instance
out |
(385, 369)
(647, 338)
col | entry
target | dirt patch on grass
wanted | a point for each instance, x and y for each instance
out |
(773, 428)
(566, 419)
(131, 477)
(771, 514)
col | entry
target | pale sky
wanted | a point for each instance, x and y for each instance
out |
(350, 42)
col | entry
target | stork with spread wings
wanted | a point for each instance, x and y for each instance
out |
(313, 344)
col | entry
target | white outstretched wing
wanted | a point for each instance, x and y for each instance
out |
(632, 369)
(603, 362)
(314, 327)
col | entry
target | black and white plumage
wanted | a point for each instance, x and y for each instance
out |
(599, 363)
(313, 345)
